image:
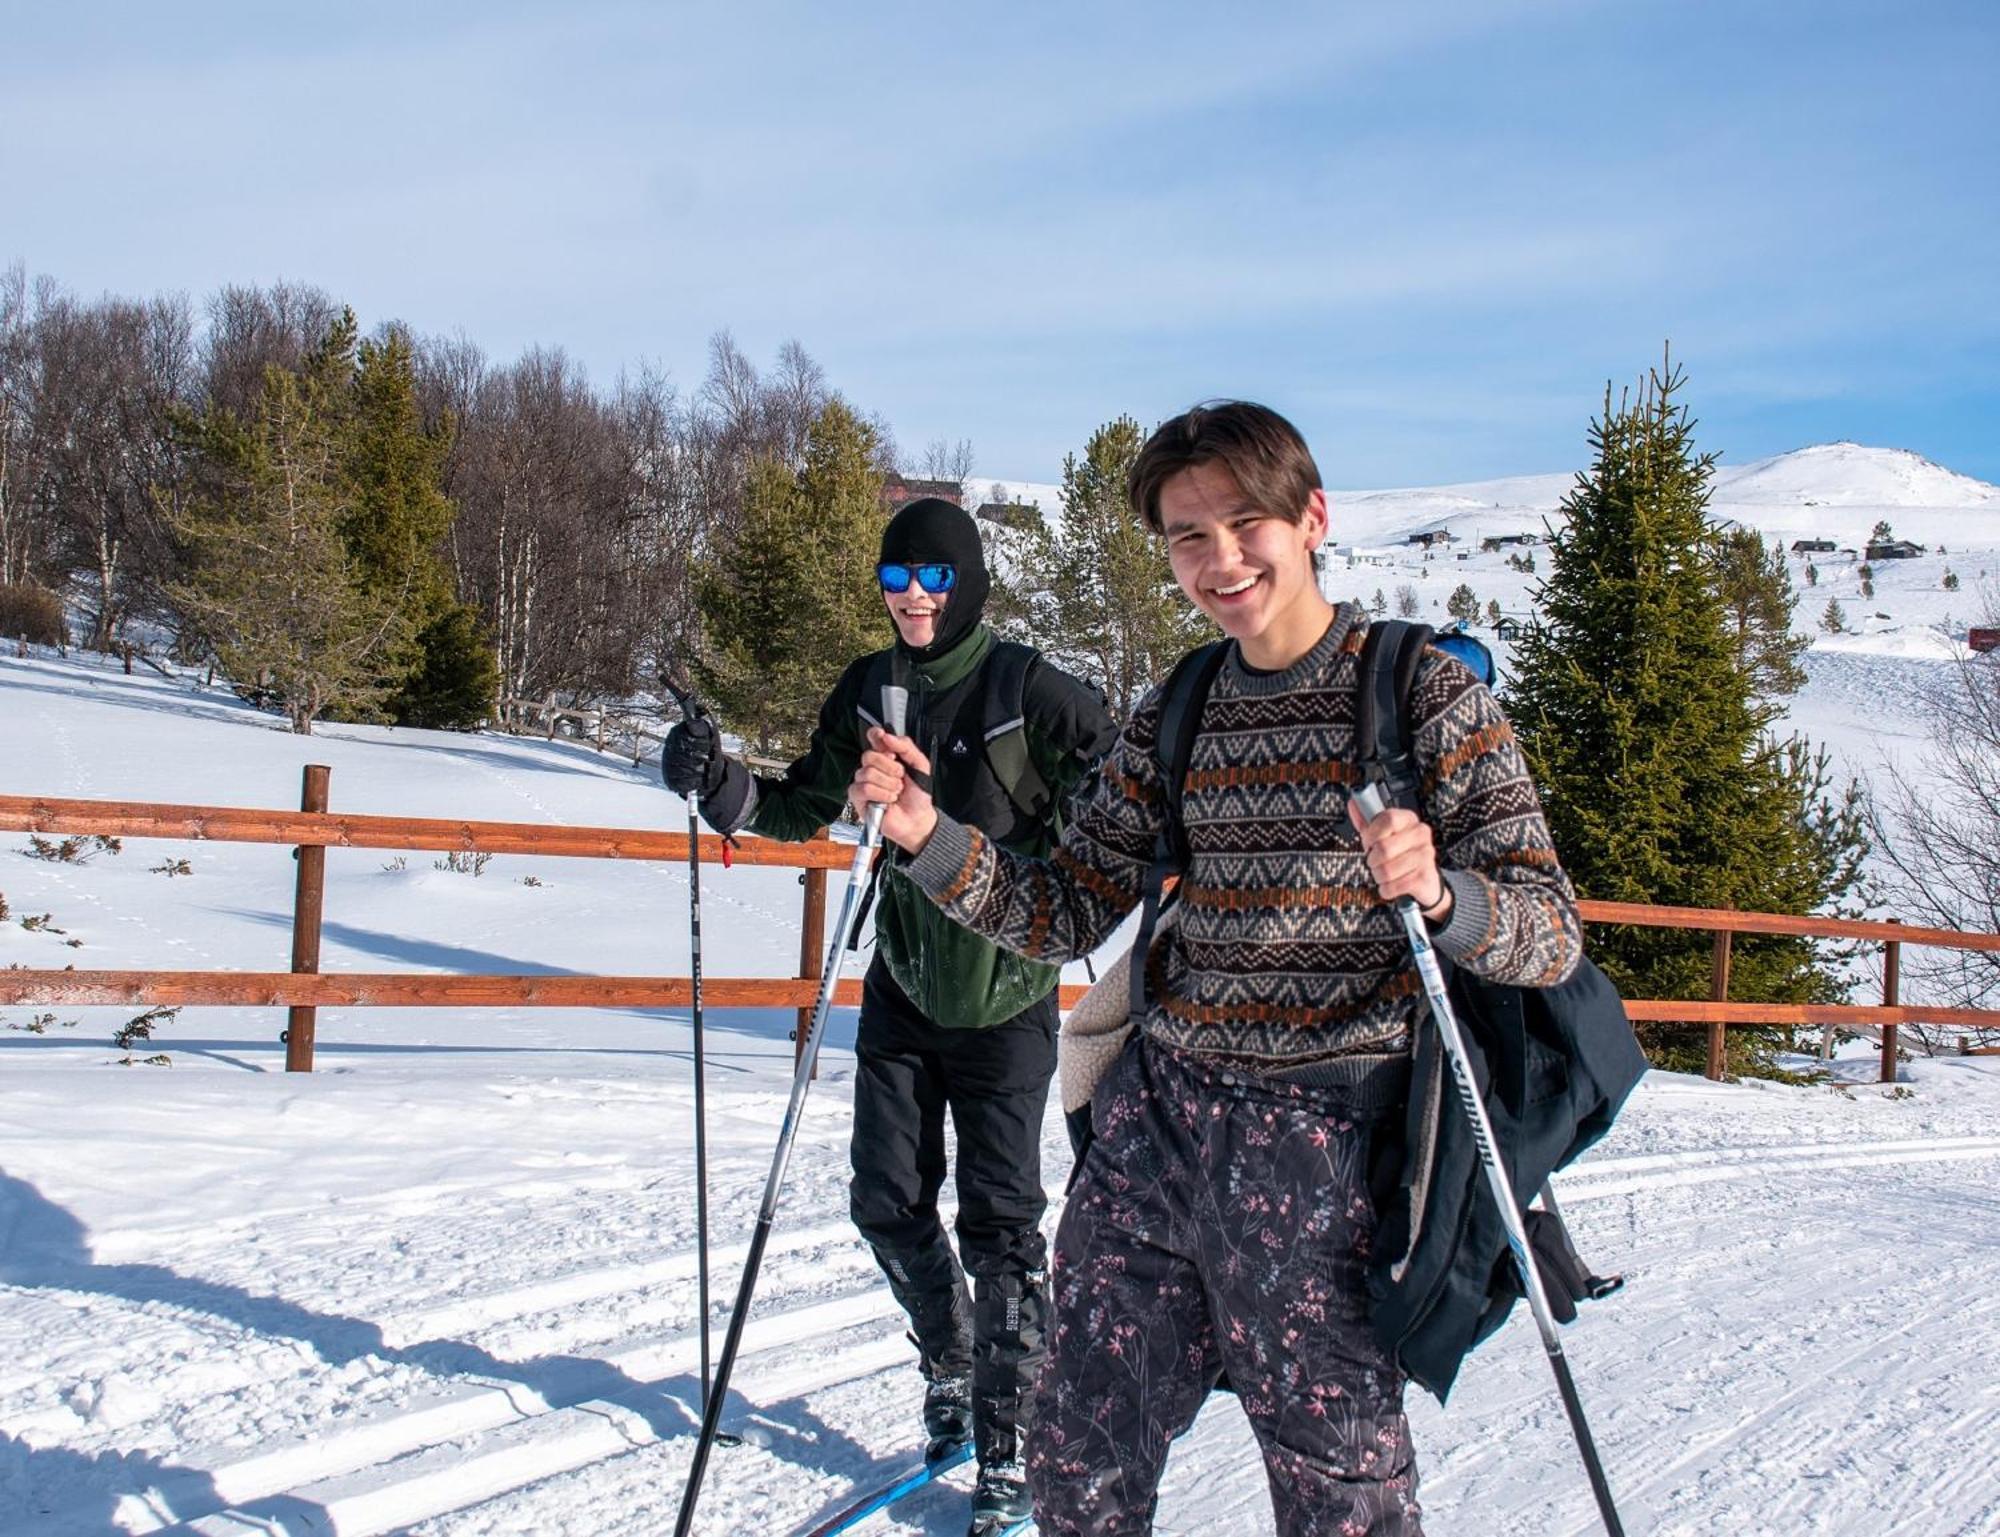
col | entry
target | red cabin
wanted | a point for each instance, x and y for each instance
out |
(1983, 639)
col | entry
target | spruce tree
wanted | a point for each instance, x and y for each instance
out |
(1106, 605)
(272, 586)
(443, 675)
(1463, 603)
(793, 598)
(1757, 592)
(1640, 715)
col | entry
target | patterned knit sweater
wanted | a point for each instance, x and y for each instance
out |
(1283, 954)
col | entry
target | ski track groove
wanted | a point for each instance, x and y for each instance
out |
(385, 1473)
(485, 1440)
(1702, 1447)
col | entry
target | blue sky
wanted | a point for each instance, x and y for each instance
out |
(1428, 232)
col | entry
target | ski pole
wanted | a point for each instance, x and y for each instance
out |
(678, 685)
(1370, 799)
(895, 709)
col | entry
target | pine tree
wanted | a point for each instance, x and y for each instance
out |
(1107, 606)
(1643, 725)
(271, 585)
(1757, 591)
(1493, 611)
(1812, 574)
(456, 679)
(793, 598)
(444, 675)
(1463, 603)
(1378, 604)
(1833, 619)
(841, 487)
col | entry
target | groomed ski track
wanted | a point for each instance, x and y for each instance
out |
(1775, 1364)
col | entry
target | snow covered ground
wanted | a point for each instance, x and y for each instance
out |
(446, 1283)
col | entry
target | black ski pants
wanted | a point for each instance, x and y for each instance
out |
(994, 1083)
(1218, 1222)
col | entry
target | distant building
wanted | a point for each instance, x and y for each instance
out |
(1492, 544)
(1509, 628)
(1813, 546)
(1983, 638)
(898, 491)
(1432, 536)
(1894, 549)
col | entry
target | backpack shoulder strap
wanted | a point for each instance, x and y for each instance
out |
(1005, 727)
(1180, 721)
(1384, 741)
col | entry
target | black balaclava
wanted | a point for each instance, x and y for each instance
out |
(932, 529)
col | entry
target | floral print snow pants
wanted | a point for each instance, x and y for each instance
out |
(1218, 1224)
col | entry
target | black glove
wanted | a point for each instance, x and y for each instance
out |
(692, 762)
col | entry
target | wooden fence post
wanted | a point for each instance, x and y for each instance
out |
(1718, 990)
(307, 902)
(1892, 982)
(812, 945)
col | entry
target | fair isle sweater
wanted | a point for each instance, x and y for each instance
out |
(1284, 955)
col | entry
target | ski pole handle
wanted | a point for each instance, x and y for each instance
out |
(1373, 803)
(895, 715)
(674, 679)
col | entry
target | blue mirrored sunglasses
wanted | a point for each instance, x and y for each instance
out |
(933, 579)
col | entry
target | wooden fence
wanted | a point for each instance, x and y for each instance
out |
(608, 730)
(313, 829)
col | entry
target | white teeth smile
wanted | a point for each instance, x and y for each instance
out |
(1242, 586)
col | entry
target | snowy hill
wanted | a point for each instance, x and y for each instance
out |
(1830, 490)
(1850, 475)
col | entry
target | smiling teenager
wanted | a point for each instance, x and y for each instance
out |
(949, 1022)
(1221, 1220)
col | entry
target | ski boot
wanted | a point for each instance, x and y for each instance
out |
(1000, 1499)
(947, 1414)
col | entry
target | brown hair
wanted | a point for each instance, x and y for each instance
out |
(1263, 453)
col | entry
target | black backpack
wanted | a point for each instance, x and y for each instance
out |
(1558, 1063)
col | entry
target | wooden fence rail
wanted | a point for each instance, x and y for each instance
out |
(313, 829)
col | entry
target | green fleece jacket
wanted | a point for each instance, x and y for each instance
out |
(956, 978)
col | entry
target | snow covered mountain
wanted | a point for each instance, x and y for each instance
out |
(1831, 490)
(1852, 475)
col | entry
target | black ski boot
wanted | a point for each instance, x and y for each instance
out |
(947, 1414)
(1007, 1352)
(931, 1289)
(999, 1499)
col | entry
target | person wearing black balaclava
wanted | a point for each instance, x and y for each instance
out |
(949, 1023)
